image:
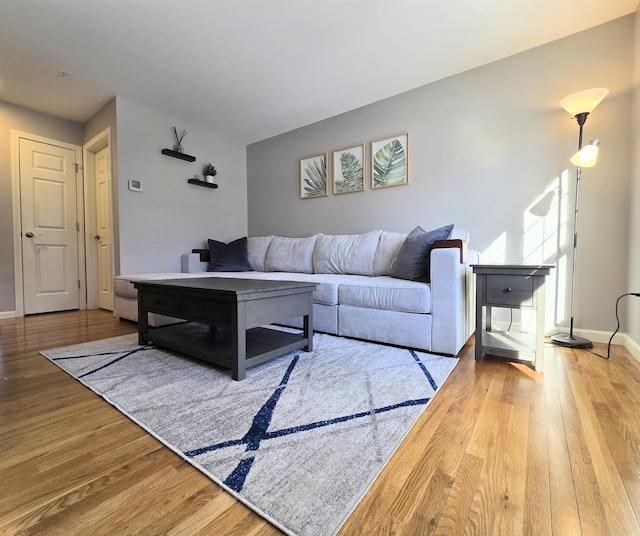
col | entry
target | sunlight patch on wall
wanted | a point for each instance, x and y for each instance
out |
(496, 253)
(545, 240)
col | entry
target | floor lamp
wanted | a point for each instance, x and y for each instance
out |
(579, 105)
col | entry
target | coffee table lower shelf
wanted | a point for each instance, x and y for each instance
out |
(215, 346)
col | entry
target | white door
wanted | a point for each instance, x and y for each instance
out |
(49, 227)
(104, 232)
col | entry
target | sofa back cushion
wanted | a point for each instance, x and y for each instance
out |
(257, 247)
(388, 248)
(290, 255)
(346, 254)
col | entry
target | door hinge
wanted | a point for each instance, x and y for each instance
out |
(78, 226)
(78, 166)
(79, 284)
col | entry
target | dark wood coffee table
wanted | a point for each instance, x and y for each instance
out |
(223, 318)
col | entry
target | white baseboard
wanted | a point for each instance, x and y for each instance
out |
(632, 346)
(7, 314)
(593, 335)
(604, 336)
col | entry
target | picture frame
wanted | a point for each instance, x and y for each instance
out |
(313, 176)
(349, 169)
(390, 161)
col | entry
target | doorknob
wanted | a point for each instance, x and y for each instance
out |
(97, 237)
(29, 234)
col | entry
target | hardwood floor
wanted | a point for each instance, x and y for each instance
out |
(501, 450)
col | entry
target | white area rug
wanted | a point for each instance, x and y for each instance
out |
(300, 441)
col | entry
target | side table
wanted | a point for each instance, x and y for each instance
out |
(512, 286)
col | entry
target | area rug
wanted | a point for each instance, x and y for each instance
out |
(299, 441)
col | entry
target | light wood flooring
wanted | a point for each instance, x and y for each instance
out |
(501, 450)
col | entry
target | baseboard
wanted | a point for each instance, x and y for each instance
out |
(632, 346)
(603, 336)
(7, 314)
(591, 334)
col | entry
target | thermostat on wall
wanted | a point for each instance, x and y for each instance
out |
(135, 186)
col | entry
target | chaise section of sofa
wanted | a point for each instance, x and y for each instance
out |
(357, 294)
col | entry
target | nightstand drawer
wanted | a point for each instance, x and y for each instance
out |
(509, 291)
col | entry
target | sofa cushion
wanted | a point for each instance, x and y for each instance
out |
(290, 255)
(385, 293)
(413, 261)
(388, 248)
(231, 257)
(345, 254)
(257, 247)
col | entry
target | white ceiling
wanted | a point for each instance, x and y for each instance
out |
(257, 68)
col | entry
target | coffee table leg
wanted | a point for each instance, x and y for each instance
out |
(308, 326)
(239, 343)
(143, 323)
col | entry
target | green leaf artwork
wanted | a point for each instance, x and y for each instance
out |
(315, 177)
(390, 165)
(352, 178)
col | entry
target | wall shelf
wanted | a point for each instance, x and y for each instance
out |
(181, 156)
(202, 183)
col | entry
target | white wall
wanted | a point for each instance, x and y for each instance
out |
(485, 146)
(170, 216)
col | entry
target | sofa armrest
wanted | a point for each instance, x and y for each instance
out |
(453, 243)
(452, 307)
(193, 263)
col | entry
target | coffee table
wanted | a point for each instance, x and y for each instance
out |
(225, 318)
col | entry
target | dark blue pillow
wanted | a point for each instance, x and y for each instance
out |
(231, 257)
(414, 258)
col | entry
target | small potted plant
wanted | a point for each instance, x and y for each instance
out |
(209, 172)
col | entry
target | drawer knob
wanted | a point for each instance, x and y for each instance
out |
(507, 290)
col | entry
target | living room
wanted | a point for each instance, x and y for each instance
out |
(460, 172)
(489, 151)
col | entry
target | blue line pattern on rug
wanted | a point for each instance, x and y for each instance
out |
(424, 369)
(112, 362)
(258, 430)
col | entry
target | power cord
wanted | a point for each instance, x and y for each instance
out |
(637, 295)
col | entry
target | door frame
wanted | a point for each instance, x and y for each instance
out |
(16, 135)
(89, 150)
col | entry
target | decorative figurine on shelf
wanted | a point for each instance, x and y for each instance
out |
(178, 148)
(209, 172)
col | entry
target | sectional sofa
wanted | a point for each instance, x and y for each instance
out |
(382, 286)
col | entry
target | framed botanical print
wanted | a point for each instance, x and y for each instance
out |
(390, 161)
(348, 170)
(313, 176)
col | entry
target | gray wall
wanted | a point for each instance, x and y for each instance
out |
(170, 216)
(24, 120)
(486, 145)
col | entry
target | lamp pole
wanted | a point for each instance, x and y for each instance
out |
(563, 339)
(578, 105)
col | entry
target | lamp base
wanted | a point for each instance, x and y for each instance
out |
(571, 341)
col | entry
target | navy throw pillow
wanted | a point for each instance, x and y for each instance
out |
(231, 257)
(414, 258)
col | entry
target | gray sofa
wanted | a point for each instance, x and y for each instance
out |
(356, 295)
